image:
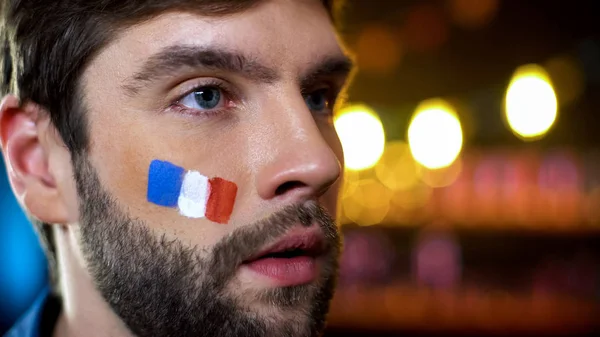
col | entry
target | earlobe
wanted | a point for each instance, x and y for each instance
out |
(27, 161)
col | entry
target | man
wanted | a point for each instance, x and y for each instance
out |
(180, 161)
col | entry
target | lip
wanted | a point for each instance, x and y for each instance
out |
(293, 270)
(310, 240)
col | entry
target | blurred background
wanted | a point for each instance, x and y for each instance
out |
(471, 202)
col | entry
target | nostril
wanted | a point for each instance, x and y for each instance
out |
(288, 186)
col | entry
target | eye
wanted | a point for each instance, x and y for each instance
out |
(204, 98)
(318, 100)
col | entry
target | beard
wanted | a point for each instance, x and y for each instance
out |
(160, 287)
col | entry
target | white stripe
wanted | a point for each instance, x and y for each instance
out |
(193, 195)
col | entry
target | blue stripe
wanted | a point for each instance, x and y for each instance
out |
(164, 183)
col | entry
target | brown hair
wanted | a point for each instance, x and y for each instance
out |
(46, 45)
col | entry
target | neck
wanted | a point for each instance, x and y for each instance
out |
(85, 313)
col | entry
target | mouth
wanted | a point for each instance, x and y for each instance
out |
(293, 260)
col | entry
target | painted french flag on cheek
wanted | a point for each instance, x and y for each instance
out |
(195, 195)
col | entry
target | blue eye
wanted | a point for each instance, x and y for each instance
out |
(317, 100)
(205, 98)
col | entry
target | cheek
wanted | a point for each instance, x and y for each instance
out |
(124, 165)
(124, 175)
(127, 178)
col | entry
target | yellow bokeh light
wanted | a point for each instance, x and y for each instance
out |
(352, 209)
(369, 204)
(378, 49)
(350, 182)
(441, 177)
(473, 13)
(397, 169)
(362, 136)
(530, 103)
(435, 134)
(417, 197)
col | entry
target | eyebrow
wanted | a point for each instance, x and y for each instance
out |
(174, 58)
(333, 66)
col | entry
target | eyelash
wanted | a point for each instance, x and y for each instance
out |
(228, 95)
(331, 93)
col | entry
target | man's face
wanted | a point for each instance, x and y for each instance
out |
(246, 98)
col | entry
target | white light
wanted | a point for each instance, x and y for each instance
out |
(361, 135)
(435, 134)
(531, 104)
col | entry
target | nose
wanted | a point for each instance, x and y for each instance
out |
(302, 164)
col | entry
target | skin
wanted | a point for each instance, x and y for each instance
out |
(264, 138)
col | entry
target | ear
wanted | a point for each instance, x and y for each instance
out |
(27, 162)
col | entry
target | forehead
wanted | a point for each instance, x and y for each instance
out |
(284, 34)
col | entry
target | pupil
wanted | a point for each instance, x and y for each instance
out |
(316, 101)
(208, 98)
(207, 95)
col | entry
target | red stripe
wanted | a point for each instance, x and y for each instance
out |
(220, 200)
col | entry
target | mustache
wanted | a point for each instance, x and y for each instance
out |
(246, 241)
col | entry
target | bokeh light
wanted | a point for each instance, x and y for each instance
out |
(437, 260)
(351, 180)
(366, 257)
(442, 177)
(415, 198)
(472, 14)
(378, 50)
(362, 136)
(435, 134)
(558, 172)
(369, 204)
(397, 169)
(531, 104)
